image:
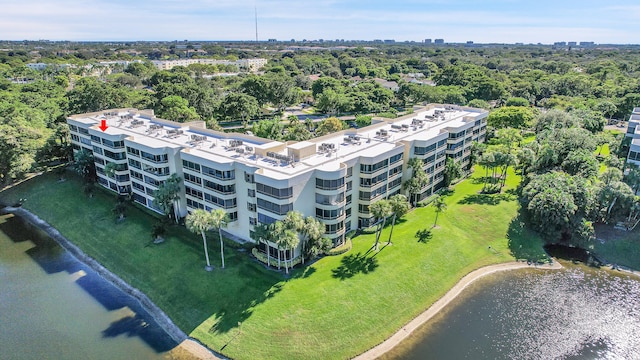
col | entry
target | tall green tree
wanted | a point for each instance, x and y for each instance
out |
(219, 219)
(418, 180)
(167, 194)
(399, 206)
(452, 171)
(200, 221)
(381, 210)
(440, 206)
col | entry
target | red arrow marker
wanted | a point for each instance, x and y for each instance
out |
(103, 126)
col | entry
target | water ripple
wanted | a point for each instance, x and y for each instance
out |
(575, 313)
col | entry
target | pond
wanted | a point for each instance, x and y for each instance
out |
(54, 307)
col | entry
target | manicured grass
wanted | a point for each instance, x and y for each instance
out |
(337, 307)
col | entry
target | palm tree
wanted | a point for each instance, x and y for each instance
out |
(264, 234)
(167, 194)
(288, 241)
(440, 206)
(452, 171)
(418, 179)
(219, 219)
(381, 209)
(200, 221)
(400, 206)
(313, 231)
(276, 231)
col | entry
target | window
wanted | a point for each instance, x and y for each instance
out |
(348, 213)
(422, 150)
(113, 144)
(274, 208)
(395, 158)
(274, 192)
(334, 228)
(98, 160)
(251, 207)
(368, 169)
(350, 171)
(137, 186)
(136, 175)
(223, 203)
(442, 143)
(329, 184)
(194, 204)
(191, 165)
(193, 192)
(133, 151)
(163, 158)
(233, 216)
(75, 137)
(114, 156)
(223, 189)
(369, 182)
(73, 128)
(136, 164)
(85, 141)
(83, 131)
(264, 219)
(251, 193)
(349, 185)
(97, 150)
(163, 171)
(250, 178)
(152, 181)
(364, 209)
(219, 174)
(139, 198)
(395, 183)
(95, 138)
(349, 199)
(329, 214)
(395, 170)
(253, 221)
(192, 179)
(122, 178)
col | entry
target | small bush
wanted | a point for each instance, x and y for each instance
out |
(339, 250)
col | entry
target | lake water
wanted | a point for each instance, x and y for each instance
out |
(53, 307)
(574, 313)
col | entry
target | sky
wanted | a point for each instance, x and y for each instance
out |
(491, 21)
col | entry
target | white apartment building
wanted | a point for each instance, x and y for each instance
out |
(334, 178)
(245, 64)
(633, 131)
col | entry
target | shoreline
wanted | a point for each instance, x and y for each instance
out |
(184, 343)
(439, 305)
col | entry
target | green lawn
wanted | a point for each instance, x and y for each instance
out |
(336, 308)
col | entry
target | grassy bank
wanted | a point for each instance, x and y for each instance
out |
(336, 308)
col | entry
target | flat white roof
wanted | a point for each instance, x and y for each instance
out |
(342, 146)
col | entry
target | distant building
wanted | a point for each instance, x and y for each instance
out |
(439, 41)
(389, 41)
(42, 66)
(427, 41)
(587, 43)
(245, 64)
(572, 43)
(272, 40)
(633, 132)
(560, 43)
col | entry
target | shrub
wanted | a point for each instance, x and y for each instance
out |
(339, 250)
